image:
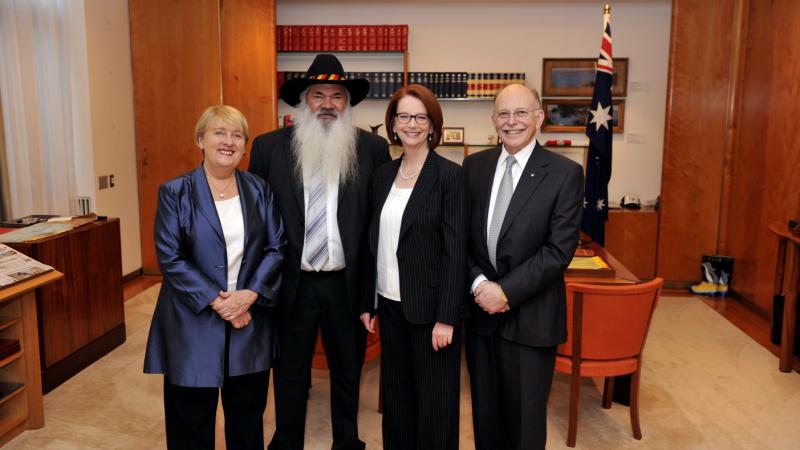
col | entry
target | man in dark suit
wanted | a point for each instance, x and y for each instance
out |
(526, 204)
(320, 171)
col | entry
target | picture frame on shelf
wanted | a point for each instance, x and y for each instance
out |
(574, 77)
(571, 115)
(452, 135)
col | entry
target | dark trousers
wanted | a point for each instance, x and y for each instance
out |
(510, 384)
(190, 413)
(420, 386)
(321, 302)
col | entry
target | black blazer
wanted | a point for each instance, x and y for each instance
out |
(273, 159)
(537, 241)
(432, 249)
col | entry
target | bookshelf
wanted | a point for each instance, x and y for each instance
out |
(21, 404)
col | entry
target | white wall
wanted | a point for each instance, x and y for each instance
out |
(112, 121)
(514, 37)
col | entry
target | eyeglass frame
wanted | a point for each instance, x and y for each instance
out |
(428, 118)
(528, 112)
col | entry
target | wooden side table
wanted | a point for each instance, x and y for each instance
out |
(787, 272)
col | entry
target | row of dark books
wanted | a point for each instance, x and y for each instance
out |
(342, 38)
(442, 84)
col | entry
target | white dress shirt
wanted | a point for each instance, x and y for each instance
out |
(232, 221)
(522, 158)
(335, 248)
(388, 283)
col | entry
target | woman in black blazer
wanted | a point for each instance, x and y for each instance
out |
(417, 239)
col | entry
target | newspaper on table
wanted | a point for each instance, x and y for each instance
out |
(16, 267)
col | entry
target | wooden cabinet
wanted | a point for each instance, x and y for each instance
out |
(632, 236)
(81, 316)
(20, 383)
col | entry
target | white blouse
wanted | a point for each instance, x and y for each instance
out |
(232, 221)
(388, 284)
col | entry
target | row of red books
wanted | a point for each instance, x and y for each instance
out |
(342, 38)
(486, 84)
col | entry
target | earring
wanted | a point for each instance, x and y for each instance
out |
(430, 137)
(396, 137)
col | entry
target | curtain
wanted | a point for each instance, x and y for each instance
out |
(44, 93)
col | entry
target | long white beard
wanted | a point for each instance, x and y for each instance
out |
(333, 143)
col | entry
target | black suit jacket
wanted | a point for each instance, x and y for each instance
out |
(536, 243)
(432, 249)
(273, 159)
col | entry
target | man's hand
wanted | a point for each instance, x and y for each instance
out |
(490, 297)
(369, 321)
(242, 320)
(442, 336)
(232, 304)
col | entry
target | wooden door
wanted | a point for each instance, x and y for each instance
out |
(188, 55)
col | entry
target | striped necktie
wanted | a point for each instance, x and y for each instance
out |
(316, 245)
(504, 193)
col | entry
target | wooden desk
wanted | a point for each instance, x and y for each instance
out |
(22, 408)
(632, 236)
(787, 272)
(81, 317)
(622, 275)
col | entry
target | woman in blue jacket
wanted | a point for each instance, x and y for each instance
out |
(219, 241)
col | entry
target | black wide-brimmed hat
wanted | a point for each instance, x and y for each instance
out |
(326, 69)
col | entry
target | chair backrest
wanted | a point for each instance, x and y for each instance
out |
(612, 320)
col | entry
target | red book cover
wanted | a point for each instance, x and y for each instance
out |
(404, 37)
(341, 39)
(350, 38)
(317, 41)
(290, 38)
(372, 38)
(392, 41)
(302, 43)
(357, 39)
(326, 39)
(278, 31)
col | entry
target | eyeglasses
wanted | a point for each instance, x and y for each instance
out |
(421, 119)
(519, 114)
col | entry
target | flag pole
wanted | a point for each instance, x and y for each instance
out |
(607, 9)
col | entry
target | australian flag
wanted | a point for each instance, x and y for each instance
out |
(598, 128)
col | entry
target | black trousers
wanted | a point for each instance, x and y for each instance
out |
(190, 413)
(321, 302)
(510, 384)
(421, 387)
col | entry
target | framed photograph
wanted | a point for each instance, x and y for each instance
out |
(452, 136)
(571, 115)
(574, 77)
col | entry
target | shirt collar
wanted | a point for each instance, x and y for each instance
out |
(521, 156)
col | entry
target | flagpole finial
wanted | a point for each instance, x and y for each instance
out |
(607, 9)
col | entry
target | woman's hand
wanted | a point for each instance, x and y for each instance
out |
(442, 336)
(369, 321)
(232, 304)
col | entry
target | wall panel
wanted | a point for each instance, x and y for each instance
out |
(694, 135)
(765, 182)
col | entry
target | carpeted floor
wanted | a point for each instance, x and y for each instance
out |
(705, 385)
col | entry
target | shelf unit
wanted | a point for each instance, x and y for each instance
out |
(22, 407)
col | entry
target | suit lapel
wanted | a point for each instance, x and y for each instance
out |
(248, 200)
(291, 162)
(419, 195)
(205, 201)
(532, 175)
(487, 179)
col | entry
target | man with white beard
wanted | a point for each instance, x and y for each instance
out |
(319, 171)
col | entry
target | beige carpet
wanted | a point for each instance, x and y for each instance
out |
(706, 385)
